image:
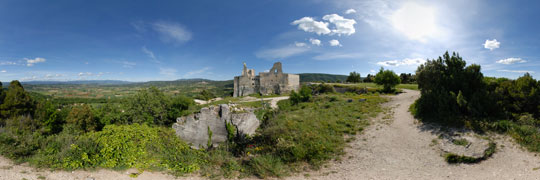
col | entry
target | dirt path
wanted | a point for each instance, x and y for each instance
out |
(399, 149)
(391, 148)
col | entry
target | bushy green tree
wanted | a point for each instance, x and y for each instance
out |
(369, 78)
(206, 95)
(303, 96)
(450, 89)
(82, 118)
(354, 77)
(519, 96)
(179, 106)
(50, 117)
(148, 106)
(388, 79)
(17, 102)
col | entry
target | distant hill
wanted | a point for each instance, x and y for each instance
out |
(96, 82)
(314, 77)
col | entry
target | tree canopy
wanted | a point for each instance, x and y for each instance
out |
(354, 77)
(388, 79)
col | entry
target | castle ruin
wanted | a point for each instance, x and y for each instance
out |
(272, 82)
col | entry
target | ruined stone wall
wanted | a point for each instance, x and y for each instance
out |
(272, 82)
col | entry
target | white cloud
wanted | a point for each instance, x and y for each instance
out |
(167, 71)
(315, 41)
(511, 61)
(3, 71)
(492, 44)
(308, 24)
(150, 54)
(31, 62)
(282, 52)
(196, 72)
(82, 74)
(350, 11)
(330, 56)
(403, 62)
(516, 71)
(172, 32)
(415, 21)
(127, 64)
(334, 42)
(300, 44)
(343, 25)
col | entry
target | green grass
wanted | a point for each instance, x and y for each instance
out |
(373, 85)
(460, 142)
(454, 158)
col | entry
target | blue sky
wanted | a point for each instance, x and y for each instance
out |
(168, 40)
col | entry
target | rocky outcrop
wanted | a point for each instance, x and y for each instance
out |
(194, 128)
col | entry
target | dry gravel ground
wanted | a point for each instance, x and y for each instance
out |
(393, 147)
(400, 149)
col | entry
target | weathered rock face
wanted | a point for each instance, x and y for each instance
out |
(194, 128)
(474, 146)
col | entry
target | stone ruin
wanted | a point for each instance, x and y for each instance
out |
(194, 128)
(272, 82)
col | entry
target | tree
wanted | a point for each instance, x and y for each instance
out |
(206, 95)
(17, 102)
(179, 105)
(149, 106)
(82, 118)
(450, 89)
(369, 78)
(388, 79)
(354, 77)
(303, 96)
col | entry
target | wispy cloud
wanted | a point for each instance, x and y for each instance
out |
(7, 63)
(128, 64)
(31, 62)
(167, 71)
(350, 11)
(511, 61)
(330, 56)
(315, 41)
(172, 32)
(150, 54)
(281, 52)
(197, 72)
(516, 71)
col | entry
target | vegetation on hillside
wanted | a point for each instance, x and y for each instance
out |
(458, 95)
(319, 77)
(134, 132)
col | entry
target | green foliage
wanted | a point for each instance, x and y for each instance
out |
(83, 118)
(354, 77)
(388, 79)
(267, 166)
(519, 96)
(206, 95)
(51, 119)
(313, 131)
(454, 158)
(303, 96)
(460, 142)
(369, 78)
(450, 90)
(322, 88)
(209, 142)
(407, 78)
(317, 77)
(149, 106)
(16, 102)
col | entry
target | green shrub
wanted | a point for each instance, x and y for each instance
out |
(388, 79)
(83, 118)
(267, 166)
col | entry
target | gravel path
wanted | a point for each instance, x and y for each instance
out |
(398, 148)
(393, 147)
